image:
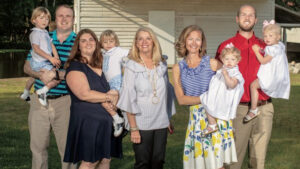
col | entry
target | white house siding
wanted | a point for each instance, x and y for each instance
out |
(216, 17)
(293, 35)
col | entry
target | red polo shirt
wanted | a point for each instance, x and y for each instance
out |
(249, 64)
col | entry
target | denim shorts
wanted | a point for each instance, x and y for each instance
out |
(37, 66)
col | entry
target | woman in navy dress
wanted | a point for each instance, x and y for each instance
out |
(90, 127)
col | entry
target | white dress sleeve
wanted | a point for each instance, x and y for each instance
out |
(272, 51)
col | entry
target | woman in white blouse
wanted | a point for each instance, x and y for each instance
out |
(148, 98)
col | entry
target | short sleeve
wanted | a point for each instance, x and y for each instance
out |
(75, 66)
(128, 95)
(273, 50)
(35, 37)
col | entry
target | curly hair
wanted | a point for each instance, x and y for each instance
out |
(232, 50)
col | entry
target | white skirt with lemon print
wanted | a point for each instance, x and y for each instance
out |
(211, 151)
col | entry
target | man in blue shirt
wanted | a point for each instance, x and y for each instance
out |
(56, 115)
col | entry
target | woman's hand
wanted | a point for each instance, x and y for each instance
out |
(108, 106)
(113, 97)
(135, 136)
(171, 128)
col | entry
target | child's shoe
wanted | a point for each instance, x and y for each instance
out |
(211, 128)
(42, 95)
(249, 117)
(118, 123)
(25, 95)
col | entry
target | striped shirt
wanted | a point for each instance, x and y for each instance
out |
(63, 50)
(195, 81)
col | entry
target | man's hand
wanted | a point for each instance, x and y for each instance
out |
(55, 62)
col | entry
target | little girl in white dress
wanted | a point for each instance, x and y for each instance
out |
(273, 75)
(225, 90)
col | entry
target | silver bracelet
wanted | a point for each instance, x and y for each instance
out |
(134, 128)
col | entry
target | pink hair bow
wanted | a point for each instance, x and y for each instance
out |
(266, 23)
(229, 45)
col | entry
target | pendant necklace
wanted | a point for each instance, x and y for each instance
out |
(155, 98)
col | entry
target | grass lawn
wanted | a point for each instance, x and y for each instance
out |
(283, 150)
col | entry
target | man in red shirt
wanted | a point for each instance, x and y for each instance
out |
(255, 134)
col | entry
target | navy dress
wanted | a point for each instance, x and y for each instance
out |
(90, 127)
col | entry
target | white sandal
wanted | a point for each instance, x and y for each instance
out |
(248, 118)
(213, 128)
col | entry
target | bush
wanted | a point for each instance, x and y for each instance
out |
(15, 45)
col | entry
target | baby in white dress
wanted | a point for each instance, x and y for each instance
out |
(225, 90)
(273, 75)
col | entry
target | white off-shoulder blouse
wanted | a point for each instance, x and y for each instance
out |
(136, 95)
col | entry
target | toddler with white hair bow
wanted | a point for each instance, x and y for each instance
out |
(225, 90)
(273, 75)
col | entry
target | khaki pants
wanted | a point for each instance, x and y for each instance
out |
(254, 135)
(41, 120)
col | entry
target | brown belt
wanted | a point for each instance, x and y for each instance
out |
(55, 96)
(259, 103)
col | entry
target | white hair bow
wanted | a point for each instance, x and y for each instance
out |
(229, 45)
(266, 23)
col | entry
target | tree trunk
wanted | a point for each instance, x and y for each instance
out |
(46, 3)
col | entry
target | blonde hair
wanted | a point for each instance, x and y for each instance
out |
(180, 44)
(232, 50)
(273, 28)
(156, 51)
(38, 11)
(109, 34)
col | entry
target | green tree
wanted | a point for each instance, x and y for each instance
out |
(15, 17)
